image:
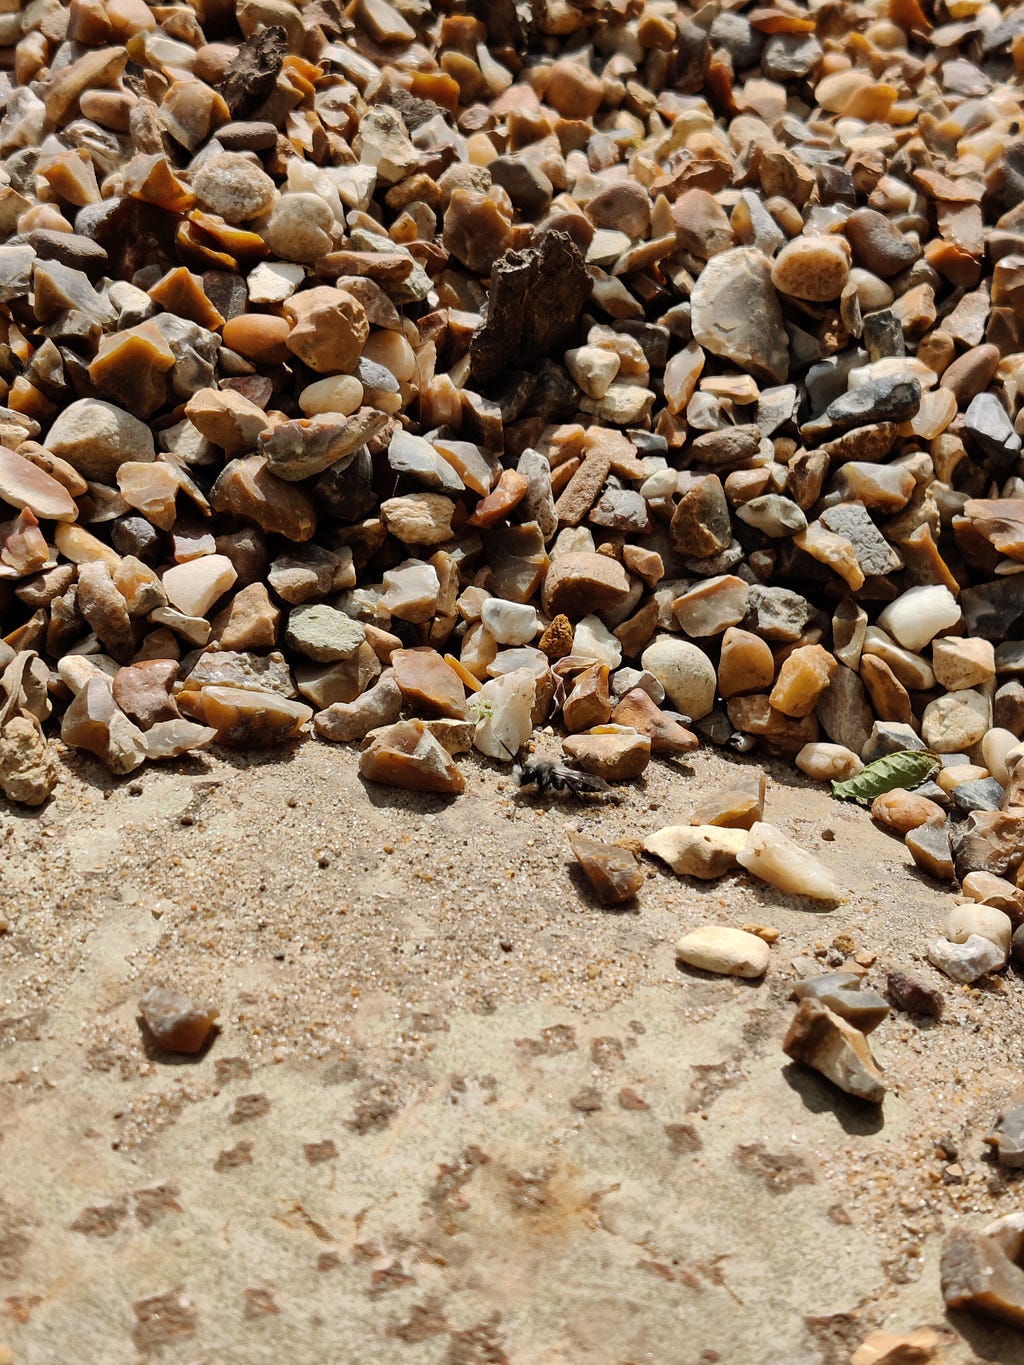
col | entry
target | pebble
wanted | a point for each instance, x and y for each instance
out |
(613, 872)
(980, 1271)
(174, 1022)
(685, 672)
(825, 1041)
(407, 755)
(705, 851)
(778, 860)
(983, 920)
(969, 960)
(843, 994)
(725, 951)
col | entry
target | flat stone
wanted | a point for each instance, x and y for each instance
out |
(613, 757)
(704, 851)
(578, 584)
(637, 710)
(407, 755)
(428, 684)
(612, 872)
(246, 717)
(323, 633)
(844, 995)
(778, 860)
(345, 722)
(701, 525)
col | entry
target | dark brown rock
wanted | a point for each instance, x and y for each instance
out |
(536, 299)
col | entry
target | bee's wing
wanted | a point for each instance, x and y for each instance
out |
(579, 781)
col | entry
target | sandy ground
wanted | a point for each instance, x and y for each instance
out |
(456, 1112)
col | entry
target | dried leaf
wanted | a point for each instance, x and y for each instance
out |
(905, 769)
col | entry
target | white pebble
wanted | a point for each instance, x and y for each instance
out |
(828, 762)
(730, 952)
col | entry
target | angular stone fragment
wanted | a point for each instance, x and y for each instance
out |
(701, 525)
(343, 722)
(28, 769)
(105, 609)
(428, 684)
(667, 736)
(247, 489)
(323, 633)
(930, 848)
(990, 841)
(309, 445)
(1007, 1136)
(982, 1272)
(781, 862)
(705, 851)
(407, 755)
(246, 717)
(143, 691)
(803, 677)
(724, 950)
(913, 995)
(419, 518)
(94, 723)
(535, 302)
(920, 1347)
(193, 587)
(24, 484)
(580, 583)
(821, 1039)
(613, 757)
(842, 993)
(174, 1022)
(736, 314)
(967, 961)
(612, 872)
(96, 438)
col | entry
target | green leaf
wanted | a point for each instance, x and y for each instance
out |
(905, 769)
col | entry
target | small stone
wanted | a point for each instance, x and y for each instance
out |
(329, 329)
(428, 684)
(96, 438)
(987, 889)
(228, 419)
(1007, 1136)
(739, 807)
(685, 672)
(612, 872)
(983, 920)
(323, 685)
(843, 994)
(407, 755)
(988, 428)
(745, 665)
(510, 623)
(929, 847)
(28, 769)
(323, 633)
(24, 484)
(193, 587)
(981, 1272)
(419, 518)
(640, 712)
(712, 607)
(913, 995)
(700, 523)
(343, 722)
(920, 1347)
(735, 314)
(589, 702)
(504, 711)
(878, 245)
(828, 762)
(613, 757)
(250, 621)
(94, 723)
(815, 268)
(781, 862)
(174, 1022)
(821, 1039)
(246, 717)
(990, 841)
(967, 961)
(411, 591)
(956, 722)
(581, 583)
(705, 851)
(234, 186)
(803, 677)
(726, 951)
(916, 617)
(307, 446)
(143, 691)
(903, 811)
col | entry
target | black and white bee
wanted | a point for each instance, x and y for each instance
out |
(546, 775)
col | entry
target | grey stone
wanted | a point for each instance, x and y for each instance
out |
(323, 633)
(990, 432)
(892, 398)
(735, 313)
(777, 613)
(843, 711)
(874, 554)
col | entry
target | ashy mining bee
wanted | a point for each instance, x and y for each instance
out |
(547, 775)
